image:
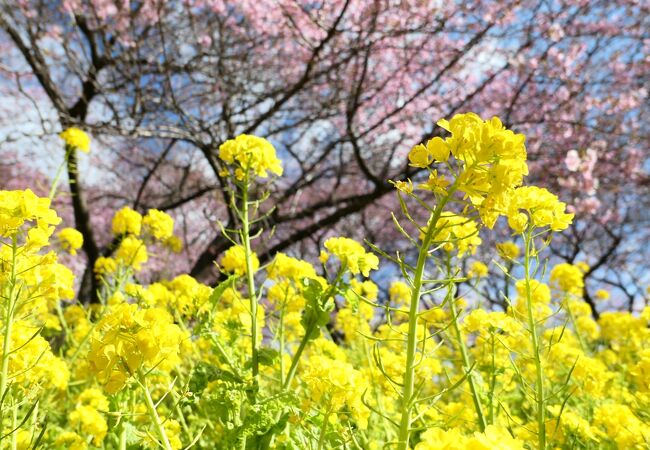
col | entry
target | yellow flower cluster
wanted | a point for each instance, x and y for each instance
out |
(76, 138)
(31, 361)
(19, 207)
(491, 161)
(134, 232)
(489, 167)
(399, 292)
(508, 250)
(567, 278)
(71, 240)
(132, 252)
(127, 221)
(352, 255)
(158, 224)
(128, 339)
(250, 154)
(543, 209)
(183, 294)
(336, 385)
(493, 438)
(315, 358)
(87, 419)
(234, 260)
(286, 267)
(456, 232)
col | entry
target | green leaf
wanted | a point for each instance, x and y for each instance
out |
(205, 373)
(218, 291)
(268, 356)
(318, 307)
(132, 434)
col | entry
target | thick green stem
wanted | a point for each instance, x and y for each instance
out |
(296, 359)
(321, 438)
(8, 325)
(411, 344)
(250, 279)
(122, 444)
(467, 367)
(534, 338)
(153, 414)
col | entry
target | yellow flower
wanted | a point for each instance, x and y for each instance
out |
(439, 439)
(174, 243)
(436, 183)
(76, 138)
(602, 294)
(71, 441)
(132, 252)
(540, 292)
(456, 232)
(543, 208)
(94, 398)
(128, 338)
(491, 160)
(159, 224)
(105, 266)
(439, 149)
(494, 437)
(478, 269)
(352, 255)
(399, 292)
(71, 240)
(32, 363)
(250, 153)
(127, 221)
(621, 425)
(89, 422)
(323, 257)
(19, 207)
(508, 250)
(234, 260)
(284, 266)
(567, 278)
(419, 156)
(337, 384)
(404, 186)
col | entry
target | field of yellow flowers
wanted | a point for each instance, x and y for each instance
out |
(302, 355)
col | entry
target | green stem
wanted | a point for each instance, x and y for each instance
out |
(35, 419)
(539, 382)
(250, 278)
(307, 336)
(59, 172)
(493, 382)
(281, 341)
(8, 325)
(296, 359)
(153, 414)
(411, 345)
(14, 424)
(122, 445)
(572, 318)
(467, 367)
(321, 438)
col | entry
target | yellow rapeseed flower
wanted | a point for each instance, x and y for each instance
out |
(76, 138)
(71, 240)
